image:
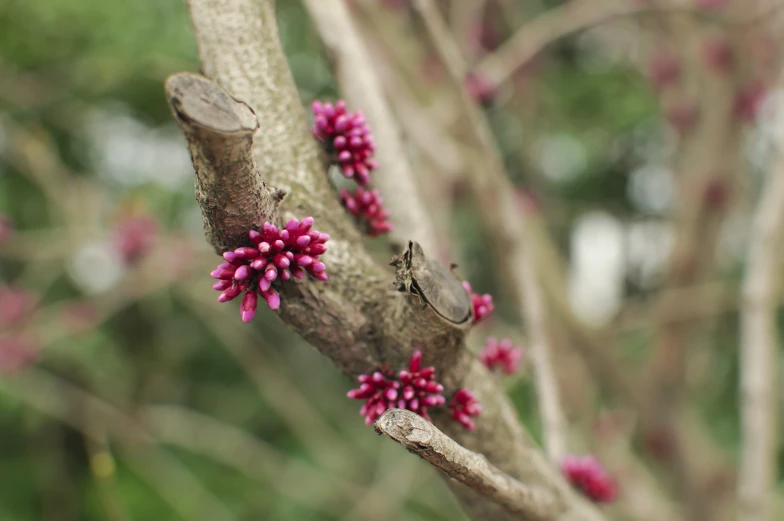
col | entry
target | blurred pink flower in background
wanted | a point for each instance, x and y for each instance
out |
(16, 305)
(135, 236)
(16, 353)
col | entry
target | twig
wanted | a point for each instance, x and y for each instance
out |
(758, 353)
(558, 22)
(421, 437)
(360, 85)
(495, 193)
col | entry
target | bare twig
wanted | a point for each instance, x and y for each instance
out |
(360, 85)
(556, 23)
(758, 352)
(495, 193)
(422, 438)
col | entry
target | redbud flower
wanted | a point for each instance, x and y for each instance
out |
(464, 405)
(481, 88)
(16, 304)
(16, 353)
(134, 237)
(664, 70)
(275, 255)
(482, 304)
(682, 117)
(414, 389)
(586, 474)
(347, 137)
(6, 228)
(368, 207)
(504, 355)
(717, 54)
(748, 101)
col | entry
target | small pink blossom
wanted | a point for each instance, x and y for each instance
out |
(717, 54)
(275, 255)
(663, 70)
(586, 474)
(16, 353)
(347, 137)
(481, 88)
(749, 100)
(502, 355)
(16, 305)
(682, 117)
(414, 389)
(464, 405)
(482, 304)
(368, 207)
(134, 237)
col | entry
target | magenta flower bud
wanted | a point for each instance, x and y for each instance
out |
(304, 260)
(318, 249)
(322, 276)
(482, 304)
(281, 261)
(464, 405)
(272, 273)
(264, 248)
(278, 245)
(248, 306)
(273, 299)
(221, 285)
(255, 237)
(229, 294)
(298, 272)
(318, 267)
(259, 263)
(242, 273)
(502, 355)
(264, 284)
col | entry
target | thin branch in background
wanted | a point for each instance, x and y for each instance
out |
(362, 89)
(759, 344)
(422, 438)
(499, 210)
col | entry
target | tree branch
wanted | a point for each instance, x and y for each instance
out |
(362, 89)
(495, 193)
(422, 438)
(758, 353)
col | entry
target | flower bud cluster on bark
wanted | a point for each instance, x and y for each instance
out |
(276, 255)
(587, 474)
(349, 142)
(482, 304)
(414, 389)
(503, 355)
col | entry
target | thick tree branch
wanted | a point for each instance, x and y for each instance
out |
(422, 438)
(495, 194)
(758, 353)
(362, 89)
(358, 318)
(219, 131)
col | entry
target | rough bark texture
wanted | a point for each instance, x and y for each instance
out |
(219, 131)
(423, 439)
(358, 318)
(758, 355)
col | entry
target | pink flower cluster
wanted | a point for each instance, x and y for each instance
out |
(16, 305)
(134, 237)
(414, 389)
(275, 254)
(368, 207)
(347, 136)
(464, 405)
(16, 353)
(589, 476)
(482, 304)
(504, 355)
